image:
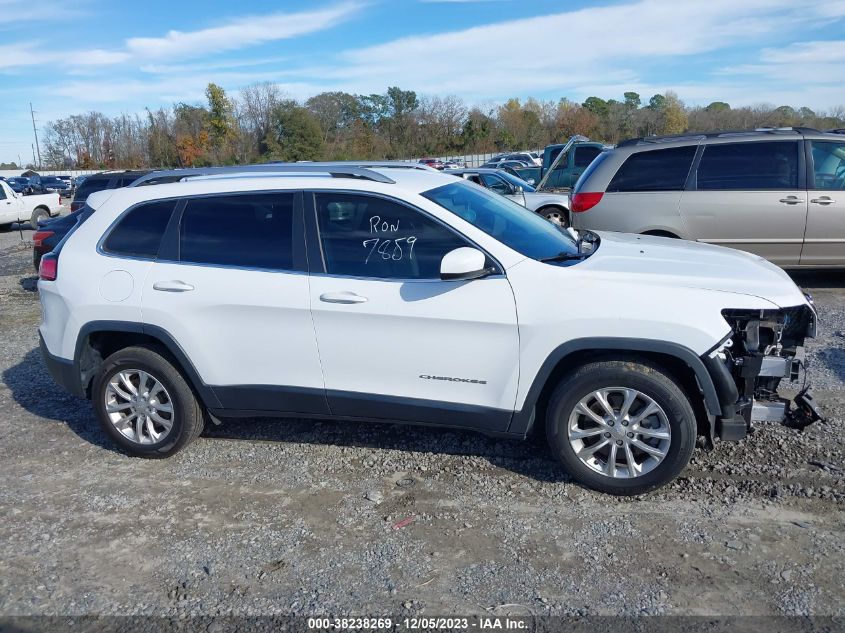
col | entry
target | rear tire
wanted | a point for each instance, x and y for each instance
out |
(37, 215)
(144, 404)
(555, 215)
(619, 449)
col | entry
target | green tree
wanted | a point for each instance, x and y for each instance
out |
(221, 122)
(294, 135)
(632, 100)
(657, 102)
(596, 105)
(718, 106)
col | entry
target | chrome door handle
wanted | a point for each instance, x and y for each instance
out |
(342, 297)
(823, 200)
(792, 200)
(172, 286)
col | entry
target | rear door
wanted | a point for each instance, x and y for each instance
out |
(230, 286)
(751, 196)
(397, 342)
(824, 241)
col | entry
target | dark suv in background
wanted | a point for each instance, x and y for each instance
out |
(106, 180)
(775, 192)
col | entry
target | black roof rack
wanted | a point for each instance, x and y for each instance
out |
(723, 134)
(335, 170)
(366, 164)
(838, 130)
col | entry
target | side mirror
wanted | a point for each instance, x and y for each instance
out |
(517, 189)
(463, 264)
(531, 181)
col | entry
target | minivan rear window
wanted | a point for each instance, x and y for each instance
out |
(757, 165)
(654, 170)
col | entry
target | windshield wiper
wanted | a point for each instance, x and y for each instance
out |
(564, 257)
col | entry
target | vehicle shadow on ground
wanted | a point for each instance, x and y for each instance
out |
(811, 279)
(33, 389)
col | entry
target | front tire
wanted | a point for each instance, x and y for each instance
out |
(144, 404)
(621, 427)
(556, 216)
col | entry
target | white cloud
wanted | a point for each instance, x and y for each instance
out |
(241, 33)
(616, 45)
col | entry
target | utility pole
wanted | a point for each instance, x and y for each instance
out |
(33, 154)
(35, 132)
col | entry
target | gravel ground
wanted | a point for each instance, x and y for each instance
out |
(304, 517)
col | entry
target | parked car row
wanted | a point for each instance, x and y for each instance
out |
(440, 165)
(37, 184)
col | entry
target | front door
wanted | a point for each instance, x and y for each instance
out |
(749, 196)
(824, 242)
(395, 341)
(232, 290)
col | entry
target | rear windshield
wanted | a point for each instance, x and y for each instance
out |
(91, 185)
(654, 170)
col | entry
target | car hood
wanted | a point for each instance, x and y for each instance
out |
(675, 262)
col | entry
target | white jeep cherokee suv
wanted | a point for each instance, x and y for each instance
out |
(379, 293)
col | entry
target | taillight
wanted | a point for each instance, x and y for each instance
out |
(40, 236)
(585, 201)
(48, 270)
(75, 206)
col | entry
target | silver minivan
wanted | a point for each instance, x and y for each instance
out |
(779, 192)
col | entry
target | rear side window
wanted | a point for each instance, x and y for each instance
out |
(253, 231)
(585, 155)
(90, 186)
(139, 232)
(760, 165)
(654, 170)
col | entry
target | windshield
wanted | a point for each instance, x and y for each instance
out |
(517, 182)
(513, 225)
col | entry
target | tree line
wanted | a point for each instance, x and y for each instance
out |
(261, 123)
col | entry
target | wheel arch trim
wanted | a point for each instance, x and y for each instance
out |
(205, 392)
(523, 419)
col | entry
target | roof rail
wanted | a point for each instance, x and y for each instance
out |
(721, 134)
(365, 164)
(836, 130)
(643, 140)
(332, 169)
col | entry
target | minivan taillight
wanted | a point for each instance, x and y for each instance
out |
(48, 270)
(585, 201)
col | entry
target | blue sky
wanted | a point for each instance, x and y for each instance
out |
(114, 56)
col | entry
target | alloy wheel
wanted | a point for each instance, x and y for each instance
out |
(619, 432)
(139, 406)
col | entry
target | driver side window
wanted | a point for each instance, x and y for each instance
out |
(494, 183)
(369, 236)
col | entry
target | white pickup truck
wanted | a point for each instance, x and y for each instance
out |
(15, 207)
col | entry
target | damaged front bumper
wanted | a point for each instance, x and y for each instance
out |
(763, 349)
